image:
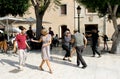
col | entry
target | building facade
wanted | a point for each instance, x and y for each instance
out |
(65, 16)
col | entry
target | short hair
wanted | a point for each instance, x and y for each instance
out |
(50, 28)
(67, 32)
(30, 27)
(44, 30)
(75, 30)
(21, 27)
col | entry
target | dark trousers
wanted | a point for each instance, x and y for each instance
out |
(95, 50)
(56, 43)
(51, 45)
(79, 50)
(67, 49)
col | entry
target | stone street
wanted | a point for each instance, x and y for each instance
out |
(106, 67)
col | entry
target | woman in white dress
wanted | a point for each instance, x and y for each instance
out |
(46, 39)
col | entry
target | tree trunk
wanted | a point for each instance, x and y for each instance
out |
(39, 26)
(114, 47)
(40, 7)
(39, 18)
(114, 36)
(118, 43)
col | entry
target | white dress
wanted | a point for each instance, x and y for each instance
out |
(46, 50)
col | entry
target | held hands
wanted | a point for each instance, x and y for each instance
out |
(36, 40)
(32, 40)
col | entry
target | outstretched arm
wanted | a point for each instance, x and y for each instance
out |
(85, 41)
(40, 40)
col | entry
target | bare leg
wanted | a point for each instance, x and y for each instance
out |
(107, 46)
(14, 47)
(48, 64)
(5, 46)
(72, 52)
(104, 46)
(43, 61)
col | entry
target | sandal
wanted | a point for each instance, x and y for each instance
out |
(41, 68)
(50, 72)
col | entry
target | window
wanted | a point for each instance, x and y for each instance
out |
(91, 10)
(64, 9)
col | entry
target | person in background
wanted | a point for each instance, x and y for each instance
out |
(66, 44)
(3, 43)
(46, 39)
(105, 39)
(56, 40)
(95, 42)
(52, 34)
(22, 46)
(80, 43)
(30, 35)
(14, 43)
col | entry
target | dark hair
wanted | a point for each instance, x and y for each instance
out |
(50, 28)
(30, 27)
(68, 29)
(21, 28)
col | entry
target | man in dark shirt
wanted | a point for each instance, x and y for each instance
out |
(30, 35)
(95, 42)
(52, 34)
(1, 37)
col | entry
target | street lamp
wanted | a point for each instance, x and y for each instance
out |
(78, 12)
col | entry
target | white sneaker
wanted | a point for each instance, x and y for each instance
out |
(24, 64)
(20, 67)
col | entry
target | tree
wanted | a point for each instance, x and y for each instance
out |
(13, 7)
(106, 7)
(40, 7)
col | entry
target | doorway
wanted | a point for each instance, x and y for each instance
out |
(90, 27)
(63, 29)
(88, 31)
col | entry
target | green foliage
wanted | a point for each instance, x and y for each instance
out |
(44, 4)
(40, 7)
(101, 6)
(57, 2)
(13, 7)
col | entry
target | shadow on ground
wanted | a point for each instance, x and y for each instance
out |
(16, 64)
(58, 60)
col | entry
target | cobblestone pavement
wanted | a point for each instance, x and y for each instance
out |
(106, 67)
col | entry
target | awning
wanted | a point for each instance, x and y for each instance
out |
(7, 22)
(2, 27)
